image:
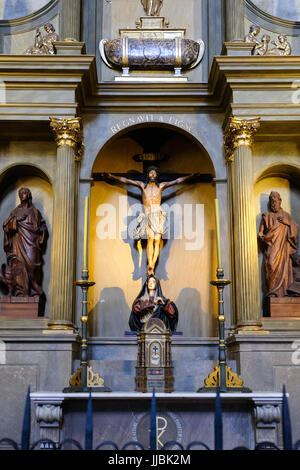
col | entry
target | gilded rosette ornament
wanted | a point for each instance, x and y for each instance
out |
(68, 132)
(239, 132)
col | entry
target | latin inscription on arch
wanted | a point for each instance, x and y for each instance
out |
(148, 118)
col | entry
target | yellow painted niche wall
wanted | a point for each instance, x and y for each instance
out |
(185, 273)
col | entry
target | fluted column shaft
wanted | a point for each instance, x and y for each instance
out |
(238, 142)
(68, 137)
(230, 195)
(70, 23)
(235, 11)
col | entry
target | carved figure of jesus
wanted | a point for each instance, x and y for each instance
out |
(153, 219)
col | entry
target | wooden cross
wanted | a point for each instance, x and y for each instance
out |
(137, 176)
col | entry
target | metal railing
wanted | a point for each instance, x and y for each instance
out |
(88, 445)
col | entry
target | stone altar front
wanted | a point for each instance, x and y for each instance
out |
(121, 417)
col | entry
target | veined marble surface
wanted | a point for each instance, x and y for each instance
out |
(261, 397)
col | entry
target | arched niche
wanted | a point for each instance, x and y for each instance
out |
(19, 20)
(10, 10)
(11, 180)
(287, 10)
(185, 268)
(285, 179)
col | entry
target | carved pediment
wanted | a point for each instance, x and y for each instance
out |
(155, 326)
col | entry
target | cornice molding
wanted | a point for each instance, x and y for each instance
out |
(77, 76)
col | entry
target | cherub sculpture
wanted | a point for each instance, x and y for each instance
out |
(44, 44)
(281, 47)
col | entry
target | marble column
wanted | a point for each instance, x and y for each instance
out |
(70, 23)
(235, 12)
(68, 136)
(238, 145)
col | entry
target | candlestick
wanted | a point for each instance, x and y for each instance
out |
(217, 210)
(222, 377)
(85, 235)
(85, 379)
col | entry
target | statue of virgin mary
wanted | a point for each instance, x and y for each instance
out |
(150, 303)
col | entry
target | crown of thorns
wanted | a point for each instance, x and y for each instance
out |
(150, 168)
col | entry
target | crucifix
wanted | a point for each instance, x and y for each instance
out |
(151, 224)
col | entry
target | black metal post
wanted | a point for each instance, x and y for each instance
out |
(220, 284)
(222, 377)
(84, 284)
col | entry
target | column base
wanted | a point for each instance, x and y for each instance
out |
(246, 328)
(237, 48)
(61, 326)
(70, 46)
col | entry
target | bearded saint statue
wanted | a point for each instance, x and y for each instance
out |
(279, 236)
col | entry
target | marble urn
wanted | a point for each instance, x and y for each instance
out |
(149, 54)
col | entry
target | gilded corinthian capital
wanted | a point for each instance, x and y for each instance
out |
(239, 132)
(68, 132)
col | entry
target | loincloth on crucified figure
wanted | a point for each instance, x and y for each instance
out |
(156, 221)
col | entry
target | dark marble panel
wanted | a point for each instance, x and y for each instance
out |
(129, 420)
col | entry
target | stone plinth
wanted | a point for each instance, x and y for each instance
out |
(70, 48)
(285, 307)
(20, 307)
(267, 362)
(31, 358)
(237, 48)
